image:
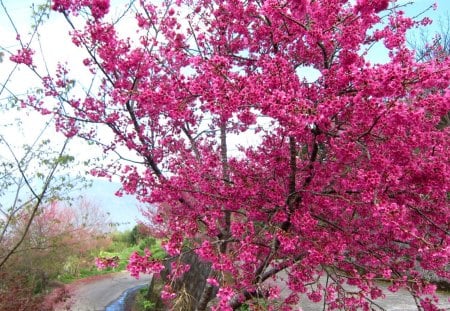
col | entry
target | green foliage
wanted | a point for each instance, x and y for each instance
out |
(123, 239)
(157, 251)
(147, 243)
(65, 159)
(124, 243)
(132, 237)
(146, 301)
(148, 305)
(82, 273)
(122, 246)
(136, 235)
(141, 301)
(40, 13)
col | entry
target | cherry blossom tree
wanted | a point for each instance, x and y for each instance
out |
(333, 183)
(51, 241)
(436, 46)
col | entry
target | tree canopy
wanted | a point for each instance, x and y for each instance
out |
(254, 166)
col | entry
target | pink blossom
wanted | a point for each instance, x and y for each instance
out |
(99, 8)
(225, 294)
(143, 264)
(107, 262)
(262, 172)
(212, 281)
(315, 296)
(23, 56)
(167, 293)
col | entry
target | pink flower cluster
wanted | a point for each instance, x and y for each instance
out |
(143, 264)
(23, 56)
(99, 8)
(255, 166)
(107, 262)
(225, 294)
(167, 293)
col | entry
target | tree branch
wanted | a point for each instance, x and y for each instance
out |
(36, 206)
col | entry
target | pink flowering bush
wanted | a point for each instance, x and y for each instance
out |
(107, 262)
(275, 178)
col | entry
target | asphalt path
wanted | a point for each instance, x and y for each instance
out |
(96, 294)
(398, 301)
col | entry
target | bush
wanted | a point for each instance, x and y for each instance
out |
(17, 292)
(148, 299)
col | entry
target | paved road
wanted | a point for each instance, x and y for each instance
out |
(96, 294)
(399, 301)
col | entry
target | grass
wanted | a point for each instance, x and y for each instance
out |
(141, 302)
(122, 248)
(145, 301)
(67, 278)
(122, 253)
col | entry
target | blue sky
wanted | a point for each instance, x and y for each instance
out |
(122, 211)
